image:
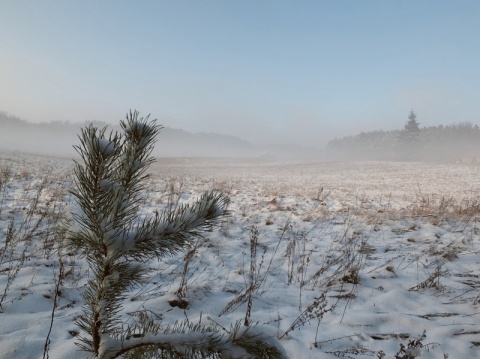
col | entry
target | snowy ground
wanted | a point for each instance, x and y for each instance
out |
(353, 259)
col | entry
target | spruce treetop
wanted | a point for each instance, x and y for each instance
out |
(412, 124)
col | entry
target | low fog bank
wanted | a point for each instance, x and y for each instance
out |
(58, 139)
(48, 139)
(452, 143)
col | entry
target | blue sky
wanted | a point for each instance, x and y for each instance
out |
(267, 71)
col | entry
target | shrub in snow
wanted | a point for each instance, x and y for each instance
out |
(106, 230)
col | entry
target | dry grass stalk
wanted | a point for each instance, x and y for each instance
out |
(316, 310)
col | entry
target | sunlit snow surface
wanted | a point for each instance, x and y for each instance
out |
(410, 230)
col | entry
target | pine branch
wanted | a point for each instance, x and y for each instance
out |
(187, 340)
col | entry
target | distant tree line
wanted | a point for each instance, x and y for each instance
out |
(456, 142)
(8, 121)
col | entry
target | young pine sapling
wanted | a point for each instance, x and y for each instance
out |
(116, 243)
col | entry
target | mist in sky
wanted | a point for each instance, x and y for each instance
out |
(265, 71)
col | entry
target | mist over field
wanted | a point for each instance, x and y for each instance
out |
(449, 143)
(58, 138)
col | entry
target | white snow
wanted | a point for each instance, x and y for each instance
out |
(106, 146)
(409, 230)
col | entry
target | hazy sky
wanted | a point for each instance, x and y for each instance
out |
(267, 71)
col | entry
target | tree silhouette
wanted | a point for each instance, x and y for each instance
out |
(411, 131)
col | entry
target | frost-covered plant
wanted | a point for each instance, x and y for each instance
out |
(316, 310)
(414, 347)
(116, 243)
(17, 247)
(257, 276)
(5, 175)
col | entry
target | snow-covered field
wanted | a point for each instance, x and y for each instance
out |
(353, 260)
